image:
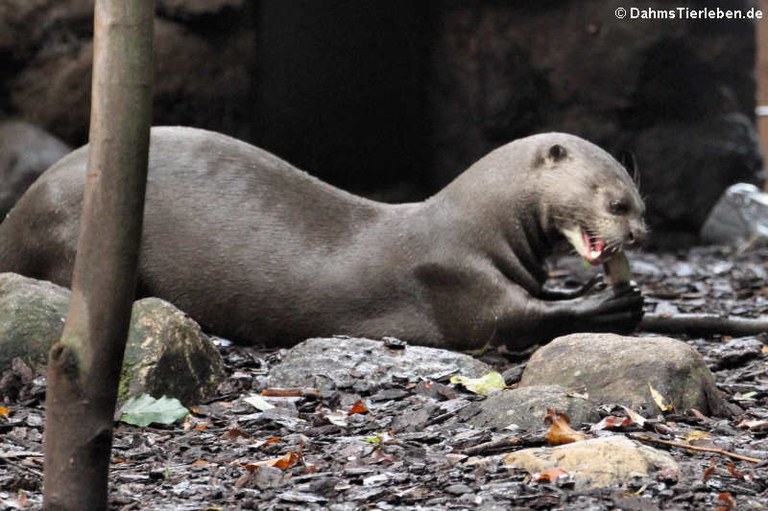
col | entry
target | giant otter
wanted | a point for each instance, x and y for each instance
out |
(260, 252)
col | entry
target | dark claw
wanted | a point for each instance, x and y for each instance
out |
(616, 309)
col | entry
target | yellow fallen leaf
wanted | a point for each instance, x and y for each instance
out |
(660, 401)
(696, 435)
(485, 385)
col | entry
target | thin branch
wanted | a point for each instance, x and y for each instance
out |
(502, 444)
(703, 324)
(714, 450)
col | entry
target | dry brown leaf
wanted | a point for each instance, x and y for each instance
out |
(287, 460)
(733, 470)
(709, 470)
(548, 476)
(700, 416)
(635, 417)
(4, 412)
(380, 457)
(560, 432)
(725, 502)
(612, 422)
(234, 435)
(754, 424)
(358, 407)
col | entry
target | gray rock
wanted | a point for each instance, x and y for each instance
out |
(25, 152)
(32, 314)
(599, 462)
(365, 364)
(614, 369)
(524, 408)
(740, 216)
(166, 353)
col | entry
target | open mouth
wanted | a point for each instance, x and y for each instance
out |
(589, 245)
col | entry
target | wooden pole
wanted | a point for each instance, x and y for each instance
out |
(762, 79)
(84, 366)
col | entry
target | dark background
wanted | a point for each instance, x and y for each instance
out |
(393, 98)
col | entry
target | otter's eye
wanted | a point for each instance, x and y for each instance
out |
(557, 152)
(617, 207)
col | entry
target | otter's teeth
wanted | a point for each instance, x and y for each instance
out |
(589, 247)
(595, 246)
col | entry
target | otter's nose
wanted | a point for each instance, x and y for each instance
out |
(636, 233)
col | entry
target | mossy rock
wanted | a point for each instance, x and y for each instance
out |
(164, 344)
(32, 314)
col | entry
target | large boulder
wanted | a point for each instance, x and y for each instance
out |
(614, 369)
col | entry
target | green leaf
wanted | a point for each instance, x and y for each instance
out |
(488, 384)
(144, 410)
(373, 439)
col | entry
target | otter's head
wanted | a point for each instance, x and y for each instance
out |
(589, 197)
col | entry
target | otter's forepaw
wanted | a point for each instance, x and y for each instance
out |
(623, 311)
(610, 309)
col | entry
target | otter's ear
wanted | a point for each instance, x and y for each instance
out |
(557, 152)
(628, 161)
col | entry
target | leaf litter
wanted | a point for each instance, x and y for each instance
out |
(405, 445)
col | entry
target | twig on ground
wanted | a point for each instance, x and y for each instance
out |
(714, 450)
(702, 324)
